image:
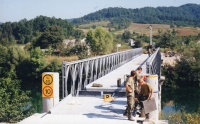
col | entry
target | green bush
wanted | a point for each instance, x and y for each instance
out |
(185, 118)
(15, 105)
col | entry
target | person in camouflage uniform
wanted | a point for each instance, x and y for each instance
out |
(145, 93)
(130, 95)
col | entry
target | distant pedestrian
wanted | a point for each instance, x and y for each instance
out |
(149, 50)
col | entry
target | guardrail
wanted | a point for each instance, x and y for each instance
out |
(153, 64)
(77, 74)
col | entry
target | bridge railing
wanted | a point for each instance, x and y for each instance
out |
(153, 64)
(77, 74)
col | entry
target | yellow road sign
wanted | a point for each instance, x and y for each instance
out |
(47, 85)
(47, 79)
(107, 96)
(47, 92)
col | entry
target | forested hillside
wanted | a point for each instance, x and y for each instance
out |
(184, 15)
(26, 31)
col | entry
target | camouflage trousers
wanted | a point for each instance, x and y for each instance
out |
(130, 104)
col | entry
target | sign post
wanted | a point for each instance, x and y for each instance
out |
(153, 81)
(50, 90)
(118, 45)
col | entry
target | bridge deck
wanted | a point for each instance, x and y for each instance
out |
(109, 81)
(90, 110)
(86, 110)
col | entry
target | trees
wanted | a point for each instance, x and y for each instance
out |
(52, 36)
(31, 68)
(15, 105)
(119, 23)
(3, 61)
(168, 40)
(186, 72)
(189, 65)
(180, 16)
(25, 31)
(10, 57)
(78, 34)
(100, 41)
(127, 35)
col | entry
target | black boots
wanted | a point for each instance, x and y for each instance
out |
(125, 114)
(134, 112)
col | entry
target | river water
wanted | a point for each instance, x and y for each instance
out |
(172, 100)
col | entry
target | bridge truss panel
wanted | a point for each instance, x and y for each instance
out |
(153, 64)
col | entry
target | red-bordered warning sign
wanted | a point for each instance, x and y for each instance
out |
(47, 91)
(47, 79)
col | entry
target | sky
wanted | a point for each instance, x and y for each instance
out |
(16, 10)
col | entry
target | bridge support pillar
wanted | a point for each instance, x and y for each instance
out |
(153, 81)
(50, 90)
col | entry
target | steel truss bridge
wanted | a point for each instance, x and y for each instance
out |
(78, 74)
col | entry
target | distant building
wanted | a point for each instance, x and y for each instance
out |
(131, 42)
(55, 51)
(71, 42)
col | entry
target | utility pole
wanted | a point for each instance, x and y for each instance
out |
(150, 35)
